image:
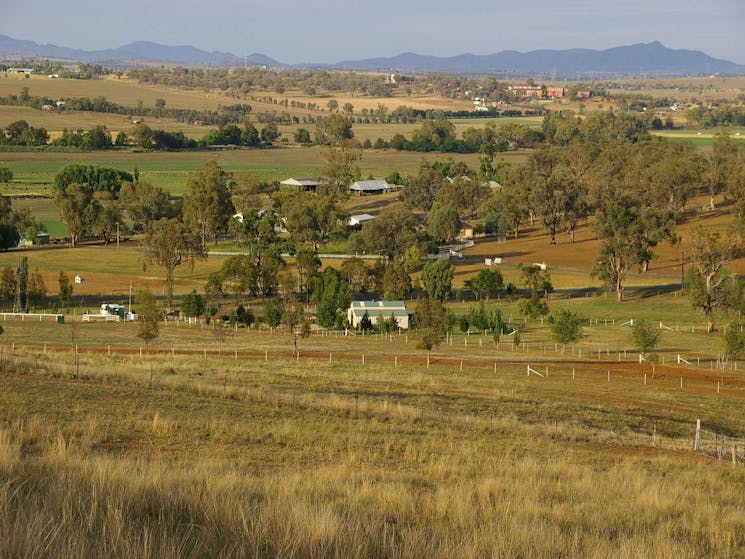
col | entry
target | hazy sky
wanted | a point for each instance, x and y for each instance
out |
(295, 31)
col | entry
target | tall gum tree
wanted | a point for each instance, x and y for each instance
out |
(627, 236)
(208, 205)
(170, 243)
(709, 279)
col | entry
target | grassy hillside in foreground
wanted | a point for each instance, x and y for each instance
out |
(177, 456)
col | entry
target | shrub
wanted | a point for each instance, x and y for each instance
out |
(644, 336)
(566, 326)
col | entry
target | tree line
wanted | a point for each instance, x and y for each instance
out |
(232, 113)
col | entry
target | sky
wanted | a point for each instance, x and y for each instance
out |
(327, 31)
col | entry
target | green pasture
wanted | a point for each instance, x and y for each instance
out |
(35, 170)
(701, 137)
(44, 211)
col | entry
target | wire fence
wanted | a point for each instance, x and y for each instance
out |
(706, 442)
(721, 447)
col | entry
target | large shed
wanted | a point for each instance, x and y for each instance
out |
(378, 311)
(308, 185)
(373, 186)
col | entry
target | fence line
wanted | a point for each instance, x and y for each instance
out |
(705, 442)
(569, 368)
(722, 447)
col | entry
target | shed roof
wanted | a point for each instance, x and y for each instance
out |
(359, 218)
(368, 305)
(300, 182)
(373, 184)
(398, 313)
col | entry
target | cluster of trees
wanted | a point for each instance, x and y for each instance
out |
(440, 135)
(81, 71)
(249, 135)
(243, 81)
(96, 138)
(87, 197)
(606, 165)
(710, 283)
(711, 116)
(14, 223)
(21, 287)
(21, 133)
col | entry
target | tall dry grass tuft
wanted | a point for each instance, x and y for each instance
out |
(10, 451)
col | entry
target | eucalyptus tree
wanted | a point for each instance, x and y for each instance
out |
(207, 204)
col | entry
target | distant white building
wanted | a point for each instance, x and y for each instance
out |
(378, 311)
(309, 185)
(374, 186)
(360, 219)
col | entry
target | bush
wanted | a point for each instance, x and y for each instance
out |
(533, 307)
(273, 311)
(644, 336)
(566, 326)
(734, 341)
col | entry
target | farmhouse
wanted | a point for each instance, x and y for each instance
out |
(260, 214)
(376, 186)
(42, 238)
(525, 91)
(309, 185)
(378, 311)
(466, 231)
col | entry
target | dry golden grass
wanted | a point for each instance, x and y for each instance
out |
(371, 103)
(55, 122)
(123, 91)
(682, 88)
(218, 458)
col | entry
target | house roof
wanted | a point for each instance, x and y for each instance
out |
(382, 312)
(300, 182)
(373, 184)
(376, 305)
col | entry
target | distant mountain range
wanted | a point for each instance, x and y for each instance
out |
(140, 52)
(643, 58)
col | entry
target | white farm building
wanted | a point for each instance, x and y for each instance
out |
(378, 311)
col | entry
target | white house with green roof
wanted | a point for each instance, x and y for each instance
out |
(378, 311)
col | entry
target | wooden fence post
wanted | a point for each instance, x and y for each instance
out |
(697, 439)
